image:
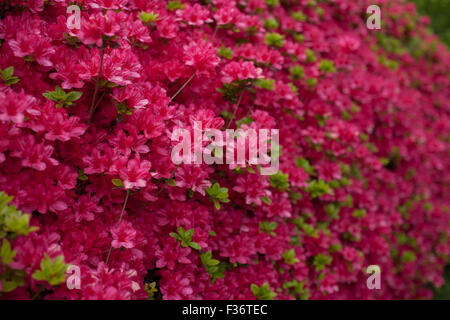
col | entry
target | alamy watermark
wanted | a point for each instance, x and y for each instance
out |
(374, 20)
(74, 18)
(73, 281)
(374, 281)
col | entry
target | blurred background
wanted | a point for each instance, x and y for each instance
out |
(439, 13)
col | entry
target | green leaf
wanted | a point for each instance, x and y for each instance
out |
(289, 257)
(327, 66)
(266, 200)
(311, 82)
(73, 96)
(319, 188)
(174, 5)
(195, 245)
(268, 227)
(217, 195)
(8, 72)
(52, 270)
(9, 286)
(185, 238)
(305, 165)
(150, 288)
(225, 52)
(7, 76)
(299, 16)
(359, 213)
(16, 222)
(263, 292)
(408, 256)
(274, 39)
(148, 17)
(332, 211)
(207, 259)
(310, 57)
(117, 182)
(272, 3)
(297, 72)
(266, 84)
(247, 120)
(271, 24)
(171, 182)
(279, 181)
(321, 260)
(7, 255)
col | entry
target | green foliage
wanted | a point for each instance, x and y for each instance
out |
(272, 3)
(266, 84)
(319, 188)
(327, 66)
(266, 200)
(332, 210)
(174, 5)
(263, 292)
(321, 260)
(217, 195)
(122, 109)
(117, 183)
(268, 227)
(289, 257)
(305, 165)
(81, 175)
(271, 24)
(225, 52)
(297, 289)
(310, 56)
(214, 267)
(246, 120)
(6, 254)
(299, 16)
(275, 39)
(408, 256)
(311, 82)
(280, 181)
(185, 237)
(359, 213)
(12, 221)
(230, 92)
(7, 76)
(439, 12)
(150, 288)
(148, 17)
(52, 270)
(61, 98)
(297, 72)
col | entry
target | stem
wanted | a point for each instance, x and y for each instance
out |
(93, 106)
(215, 32)
(184, 85)
(124, 205)
(235, 109)
(120, 219)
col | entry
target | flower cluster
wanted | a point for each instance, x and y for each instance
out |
(86, 117)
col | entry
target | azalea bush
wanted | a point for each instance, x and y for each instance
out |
(87, 179)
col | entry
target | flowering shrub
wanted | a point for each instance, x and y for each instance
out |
(86, 117)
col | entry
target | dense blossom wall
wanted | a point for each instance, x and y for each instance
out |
(86, 117)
